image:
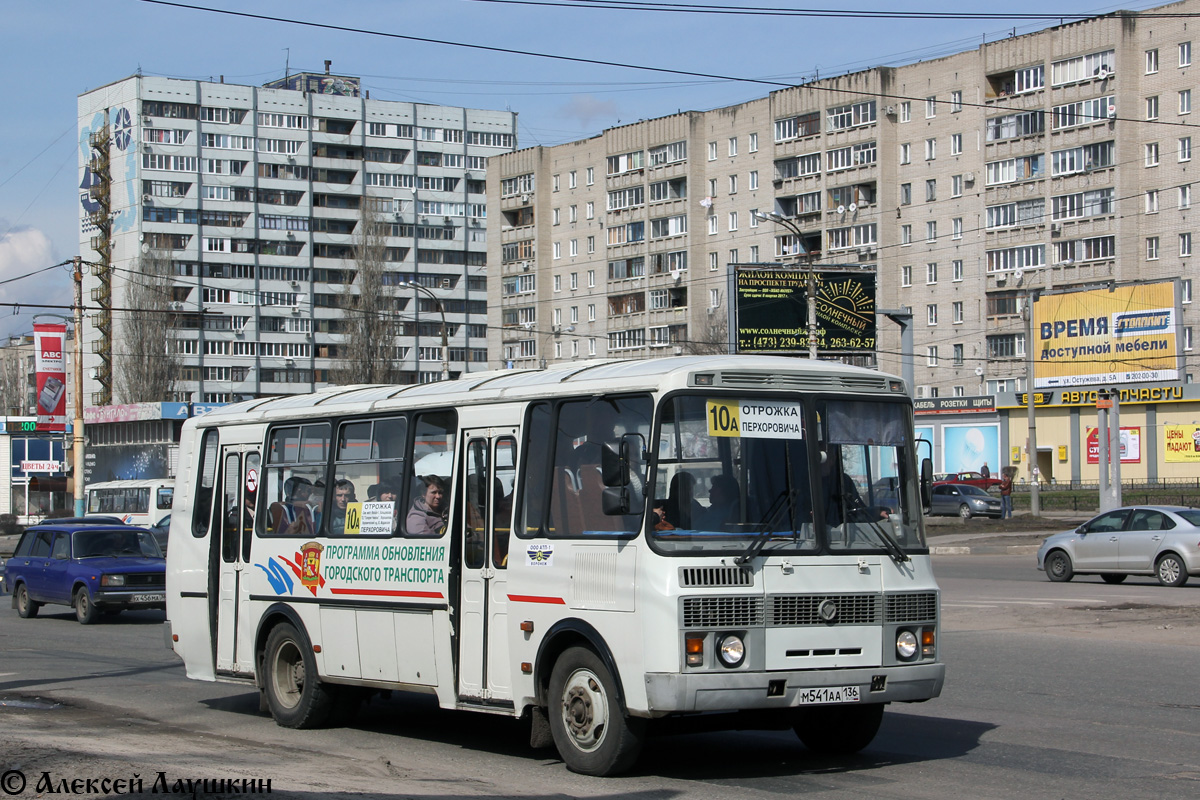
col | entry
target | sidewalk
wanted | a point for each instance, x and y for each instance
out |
(949, 536)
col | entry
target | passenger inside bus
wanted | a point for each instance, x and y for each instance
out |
(296, 515)
(682, 508)
(724, 504)
(343, 496)
(427, 517)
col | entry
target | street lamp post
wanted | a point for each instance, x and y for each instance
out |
(445, 340)
(811, 278)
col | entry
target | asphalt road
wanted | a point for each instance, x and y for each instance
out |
(1076, 690)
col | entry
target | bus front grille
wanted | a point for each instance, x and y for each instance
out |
(722, 612)
(806, 609)
(912, 607)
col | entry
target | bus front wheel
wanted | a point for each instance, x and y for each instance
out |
(838, 729)
(295, 695)
(591, 733)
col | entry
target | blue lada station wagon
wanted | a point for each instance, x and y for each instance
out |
(95, 567)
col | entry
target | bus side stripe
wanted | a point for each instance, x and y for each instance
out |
(387, 593)
(527, 598)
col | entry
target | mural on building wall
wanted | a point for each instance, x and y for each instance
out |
(966, 448)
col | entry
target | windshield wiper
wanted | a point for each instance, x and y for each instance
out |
(763, 534)
(894, 549)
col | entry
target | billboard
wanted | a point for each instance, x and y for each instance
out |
(1181, 444)
(1118, 335)
(1131, 445)
(966, 448)
(772, 310)
(50, 363)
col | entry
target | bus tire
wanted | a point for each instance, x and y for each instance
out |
(838, 729)
(591, 732)
(295, 694)
(26, 606)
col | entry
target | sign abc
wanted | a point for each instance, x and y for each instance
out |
(53, 355)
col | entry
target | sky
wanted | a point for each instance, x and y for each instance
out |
(57, 49)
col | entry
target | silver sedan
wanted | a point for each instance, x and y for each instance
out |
(1163, 541)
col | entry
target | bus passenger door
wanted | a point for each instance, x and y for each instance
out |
(234, 518)
(489, 475)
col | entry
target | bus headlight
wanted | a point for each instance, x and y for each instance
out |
(731, 650)
(906, 645)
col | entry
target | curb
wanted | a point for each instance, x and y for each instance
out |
(985, 550)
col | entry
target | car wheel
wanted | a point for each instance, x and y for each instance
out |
(838, 729)
(26, 606)
(1113, 577)
(964, 511)
(1058, 567)
(85, 609)
(1171, 571)
(295, 694)
(591, 732)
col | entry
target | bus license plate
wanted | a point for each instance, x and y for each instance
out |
(158, 597)
(829, 694)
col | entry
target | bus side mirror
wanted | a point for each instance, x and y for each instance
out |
(926, 480)
(614, 500)
(612, 465)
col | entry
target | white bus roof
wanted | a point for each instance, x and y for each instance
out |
(588, 377)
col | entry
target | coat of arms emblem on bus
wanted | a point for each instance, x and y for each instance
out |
(310, 565)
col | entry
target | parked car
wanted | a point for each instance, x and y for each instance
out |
(962, 499)
(94, 568)
(1163, 541)
(969, 478)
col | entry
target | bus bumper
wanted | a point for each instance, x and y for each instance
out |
(732, 691)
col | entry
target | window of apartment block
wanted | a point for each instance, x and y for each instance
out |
(906, 111)
(590, 210)
(931, 231)
(754, 218)
(1185, 290)
(712, 225)
(591, 175)
(931, 273)
(1185, 244)
(906, 234)
(1152, 107)
(931, 356)
(956, 185)
(1151, 248)
(1152, 201)
(591, 244)
(955, 101)
(712, 151)
(557, 254)
(1185, 54)
(956, 228)
(558, 283)
(733, 220)
(573, 214)
(1152, 61)
(955, 144)
(1152, 154)
(931, 190)
(753, 180)
(957, 308)
(733, 184)
(905, 194)
(753, 254)
(556, 215)
(906, 275)
(574, 251)
(1187, 338)
(930, 149)
(557, 183)
(733, 145)
(572, 179)
(713, 264)
(1185, 148)
(1185, 101)
(931, 314)
(574, 278)
(958, 362)
(591, 312)
(754, 143)
(733, 256)
(714, 298)
(931, 107)
(956, 270)
(591, 278)
(906, 153)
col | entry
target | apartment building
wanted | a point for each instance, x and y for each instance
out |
(257, 197)
(1039, 162)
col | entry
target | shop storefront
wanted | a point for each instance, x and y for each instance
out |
(1159, 443)
(37, 482)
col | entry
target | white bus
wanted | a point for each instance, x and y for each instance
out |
(624, 541)
(137, 502)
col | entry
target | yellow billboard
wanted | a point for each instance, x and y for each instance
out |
(1181, 444)
(1105, 336)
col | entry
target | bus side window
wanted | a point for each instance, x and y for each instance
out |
(505, 472)
(202, 509)
(536, 476)
(434, 435)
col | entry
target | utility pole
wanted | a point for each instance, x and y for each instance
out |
(810, 277)
(77, 425)
(1035, 500)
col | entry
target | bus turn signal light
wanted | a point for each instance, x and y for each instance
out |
(694, 646)
(527, 626)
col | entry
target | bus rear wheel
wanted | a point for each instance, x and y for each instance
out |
(592, 734)
(295, 695)
(838, 729)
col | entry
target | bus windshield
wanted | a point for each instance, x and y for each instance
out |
(784, 475)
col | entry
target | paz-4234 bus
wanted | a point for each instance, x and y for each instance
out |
(591, 547)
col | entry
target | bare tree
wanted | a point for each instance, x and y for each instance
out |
(710, 338)
(144, 359)
(371, 325)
